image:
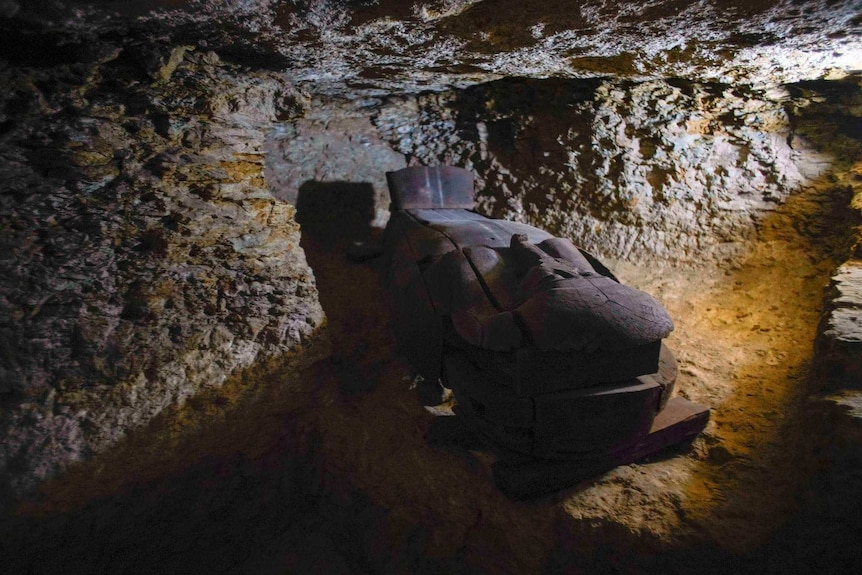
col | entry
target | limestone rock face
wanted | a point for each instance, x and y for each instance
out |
(837, 120)
(840, 337)
(673, 170)
(332, 148)
(380, 46)
(143, 257)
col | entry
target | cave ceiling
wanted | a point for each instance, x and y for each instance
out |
(362, 48)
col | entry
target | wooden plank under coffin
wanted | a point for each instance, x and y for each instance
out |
(679, 421)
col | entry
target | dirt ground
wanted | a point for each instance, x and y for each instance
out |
(322, 466)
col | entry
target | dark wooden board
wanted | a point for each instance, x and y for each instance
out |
(680, 421)
(563, 428)
(510, 437)
(417, 326)
(500, 405)
(446, 216)
(529, 371)
(430, 187)
(584, 420)
(488, 232)
(595, 418)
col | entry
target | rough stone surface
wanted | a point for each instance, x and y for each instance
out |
(834, 118)
(839, 341)
(374, 47)
(673, 170)
(333, 146)
(143, 258)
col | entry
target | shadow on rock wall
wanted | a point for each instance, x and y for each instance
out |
(334, 212)
(336, 217)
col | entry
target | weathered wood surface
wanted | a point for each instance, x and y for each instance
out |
(503, 298)
(556, 365)
(530, 371)
(430, 187)
(521, 477)
(417, 325)
(680, 421)
(565, 424)
(539, 313)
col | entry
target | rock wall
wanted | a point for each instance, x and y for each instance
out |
(142, 257)
(671, 170)
(832, 121)
(378, 47)
(333, 145)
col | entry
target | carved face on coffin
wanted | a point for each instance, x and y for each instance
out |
(547, 295)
